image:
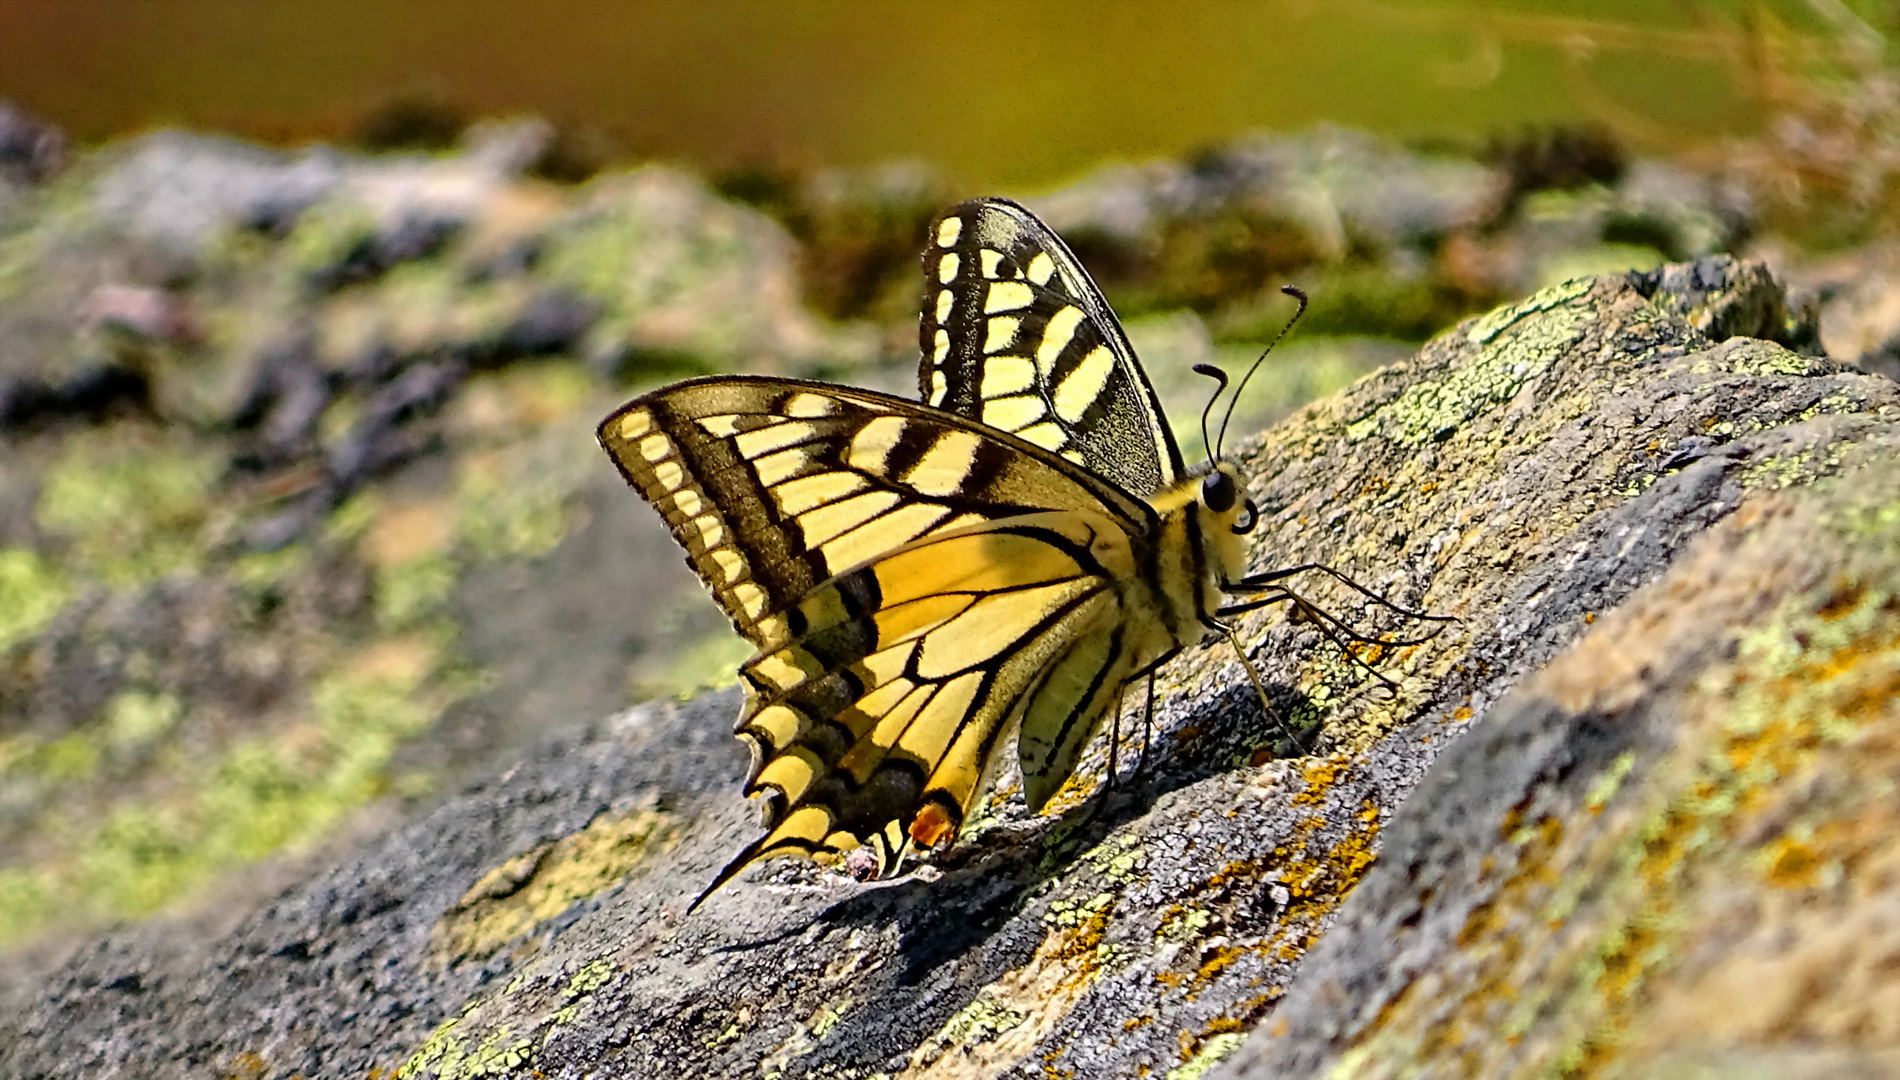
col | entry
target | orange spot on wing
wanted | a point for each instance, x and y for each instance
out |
(930, 825)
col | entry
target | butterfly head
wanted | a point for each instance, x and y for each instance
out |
(1220, 495)
(1221, 499)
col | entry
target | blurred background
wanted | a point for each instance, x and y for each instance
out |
(308, 310)
(999, 94)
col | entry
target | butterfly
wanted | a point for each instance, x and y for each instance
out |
(921, 579)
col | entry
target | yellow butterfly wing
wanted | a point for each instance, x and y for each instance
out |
(1014, 333)
(878, 719)
(915, 583)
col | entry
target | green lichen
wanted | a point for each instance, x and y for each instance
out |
(1805, 682)
(981, 1021)
(1773, 472)
(1119, 859)
(259, 571)
(536, 885)
(1184, 925)
(1607, 785)
(1485, 330)
(328, 235)
(708, 664)
(825, 1019)
(510, 517)
(429, 300)
(32, 591)
(442, 1049)
(1072, 913)
(445, 1055)
(350, 520)
(131, 512)
(1870, 522)
(28, 900)
(69, 759)
(497, 1055)
(1212, 1052)
(1517, 345)
(259, 796)
(1835, 404)
(1759, 358)
(589, 979)
(407, 593)
(639, 255)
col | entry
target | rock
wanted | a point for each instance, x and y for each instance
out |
(1341, 186)
(31, 150)
(1859, 304)
(1658, 544)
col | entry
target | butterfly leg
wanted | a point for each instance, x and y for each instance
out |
(1259, 687)
(1268, 581)
(1114, 740)
(1329, 624)
(1147, 726)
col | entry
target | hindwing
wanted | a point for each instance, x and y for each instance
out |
(877, 720)
(1014, 333)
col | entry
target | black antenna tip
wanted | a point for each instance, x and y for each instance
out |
(1211, 372)
(1294, 291)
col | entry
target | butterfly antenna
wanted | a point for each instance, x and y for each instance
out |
(1232, 401)
(1220, 381)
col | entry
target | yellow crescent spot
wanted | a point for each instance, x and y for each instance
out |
(635, 424)
(730, 563)
(749, 598)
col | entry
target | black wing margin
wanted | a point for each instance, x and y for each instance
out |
(1016, 335)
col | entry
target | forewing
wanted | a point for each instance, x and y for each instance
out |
(773, 485)
(877, 719)
(1015, 334)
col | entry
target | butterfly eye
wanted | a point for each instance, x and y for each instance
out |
(1217, 492)
(1245, 524)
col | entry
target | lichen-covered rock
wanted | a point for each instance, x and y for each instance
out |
(300, 509)
(1673, 559)
(299, 514)
(1671, 852)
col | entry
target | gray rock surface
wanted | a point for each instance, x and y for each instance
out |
(1551, 474)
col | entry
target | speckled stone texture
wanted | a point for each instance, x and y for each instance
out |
(1674, 559)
